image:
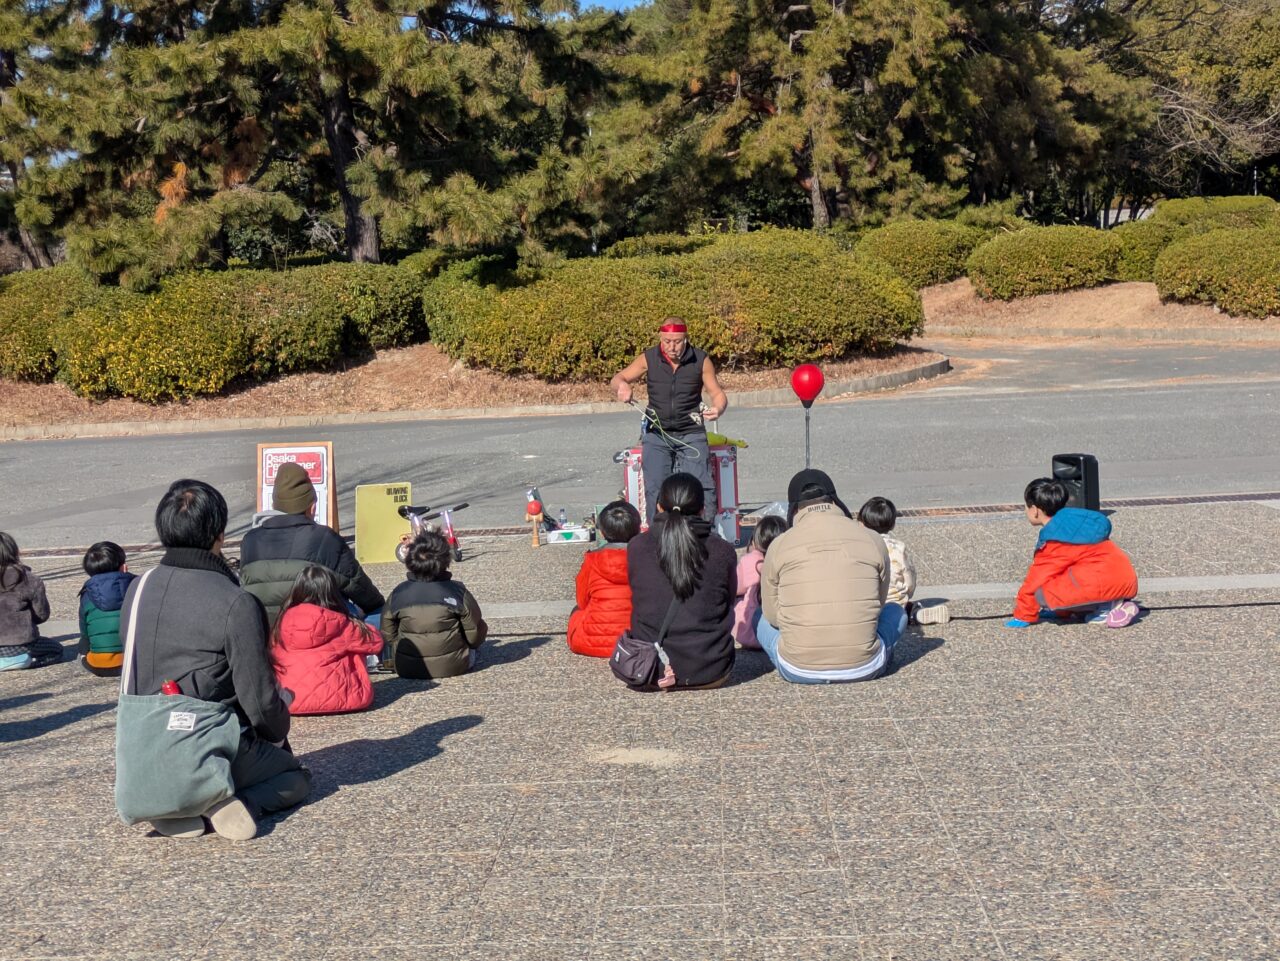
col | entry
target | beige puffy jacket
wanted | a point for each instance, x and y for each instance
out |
(823, 585)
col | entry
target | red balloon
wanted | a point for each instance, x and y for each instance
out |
(534, 508)
(807, 382)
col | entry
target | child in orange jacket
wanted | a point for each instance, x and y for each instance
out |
(1076, 569)
(604, 593)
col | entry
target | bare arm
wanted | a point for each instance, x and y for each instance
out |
(711, 386)
(623, 379)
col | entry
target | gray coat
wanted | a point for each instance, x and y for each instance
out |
(23, 605)
(196, 626)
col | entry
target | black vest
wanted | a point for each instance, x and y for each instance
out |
(674, 394)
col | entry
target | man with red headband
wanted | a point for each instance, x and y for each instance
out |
(674, 439)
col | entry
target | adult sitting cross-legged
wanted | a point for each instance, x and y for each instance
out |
(191, 625)
(822, 592)
(684, 579)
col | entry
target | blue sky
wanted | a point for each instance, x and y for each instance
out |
(610, 4)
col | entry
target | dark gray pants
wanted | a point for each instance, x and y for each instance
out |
(268, 778)
(660, 458)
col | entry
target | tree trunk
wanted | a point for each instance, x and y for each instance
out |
(340, 132)
(34, 251)
(821, 213)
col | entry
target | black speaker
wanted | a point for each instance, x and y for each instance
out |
(1080, 473)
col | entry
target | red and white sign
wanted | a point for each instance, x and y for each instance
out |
(316, 459)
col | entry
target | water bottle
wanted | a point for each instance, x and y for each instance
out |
(564, 518)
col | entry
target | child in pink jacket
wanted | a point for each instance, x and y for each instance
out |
(749, 565)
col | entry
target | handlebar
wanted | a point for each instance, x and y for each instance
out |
(427, 514)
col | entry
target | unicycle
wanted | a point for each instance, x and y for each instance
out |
(420, 519)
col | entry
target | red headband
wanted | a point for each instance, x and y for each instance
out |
(673, 329)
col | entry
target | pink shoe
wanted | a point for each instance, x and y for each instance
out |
(1122, 615)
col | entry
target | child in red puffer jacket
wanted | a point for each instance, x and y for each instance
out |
(604, 593)
(318, 649)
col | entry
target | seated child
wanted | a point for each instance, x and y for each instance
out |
(100, 601)
(1076, 568)
(748, 602)
(880, 515)
(318, 649)
(431, 622)
(604, 593)
(23, 606)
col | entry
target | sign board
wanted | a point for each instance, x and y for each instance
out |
(317, 460)
(378, 522)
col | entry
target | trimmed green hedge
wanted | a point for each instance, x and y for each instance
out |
(923, 252)
(1139, 243)
(1237, 270)
(1218, 211)
(772, 297)
(649, 245)
(201, 331)
(33, 304)
(1041, 260)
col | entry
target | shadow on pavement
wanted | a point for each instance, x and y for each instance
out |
(34, 727)
(492, 655)
(367, 759)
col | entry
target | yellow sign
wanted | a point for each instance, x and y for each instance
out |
(378, 521)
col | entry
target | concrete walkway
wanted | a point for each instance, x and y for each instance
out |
(1056, 793)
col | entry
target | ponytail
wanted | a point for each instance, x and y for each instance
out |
(682, 554)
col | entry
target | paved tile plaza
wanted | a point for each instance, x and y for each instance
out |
(1059, 793)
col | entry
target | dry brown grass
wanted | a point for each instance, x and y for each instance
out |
(412, 378)
(955, 306)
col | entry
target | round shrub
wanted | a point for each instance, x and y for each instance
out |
(1041, 260)
(1000, 216)
(180, 342)
(33, 305)
(1237, 270)
(1138, 244)
(648, 245)
(291, 322)
(428, 263)
(923, 252)
(1241, 211)
(768, 298)
(382, 305)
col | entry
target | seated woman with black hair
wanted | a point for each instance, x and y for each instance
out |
(681, 560)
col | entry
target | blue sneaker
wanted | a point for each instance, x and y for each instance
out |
(15, 663)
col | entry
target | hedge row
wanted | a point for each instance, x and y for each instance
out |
(1217, 211)
(768, 298)
(923, 252)
(1237, 270)
(200, 331)
(1041, 260)
(33, 305)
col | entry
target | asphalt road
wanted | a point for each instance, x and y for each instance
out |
(1161, 420)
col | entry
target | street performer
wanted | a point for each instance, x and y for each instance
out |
(674, 435)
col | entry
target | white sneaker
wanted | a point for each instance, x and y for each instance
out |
(926, 613)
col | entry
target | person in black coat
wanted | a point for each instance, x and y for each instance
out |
(680, 557)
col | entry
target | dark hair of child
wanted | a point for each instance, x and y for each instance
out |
(104, 557)
(429, 556)
(314, 585)
(9, 554)
(878, 514)
(1047, 494)
(770, 526)
(618, 522)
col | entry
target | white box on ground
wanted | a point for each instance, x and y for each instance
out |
(567, 535)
